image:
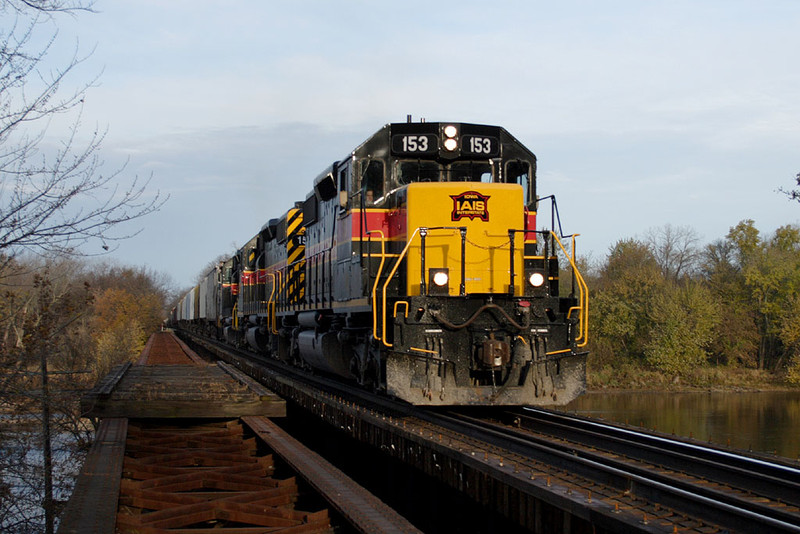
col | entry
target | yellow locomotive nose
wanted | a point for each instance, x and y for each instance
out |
(487, 212)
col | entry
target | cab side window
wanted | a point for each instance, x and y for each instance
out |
(372, 181)
(344, 190)
(519, 172)
(343, 181)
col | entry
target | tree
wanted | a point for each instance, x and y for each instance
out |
(53, 200)
(684, 318)
(55, 197)
(675, 249)
(49, 312)
(737, 337)
(793, 194)
(63, 318)
(623, 292)
(122, 322)
(790, 337)
(759, 279)
(648, 310)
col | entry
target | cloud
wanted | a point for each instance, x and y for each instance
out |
(640, 113)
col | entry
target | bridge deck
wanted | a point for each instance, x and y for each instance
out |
(171, 390)
(178, 451)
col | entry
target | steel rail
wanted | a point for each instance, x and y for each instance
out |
(707, 504)
(757, 476)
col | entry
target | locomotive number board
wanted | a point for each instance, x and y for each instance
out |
(450, 140)
(415, 143)
(480, 145)
(426, 144)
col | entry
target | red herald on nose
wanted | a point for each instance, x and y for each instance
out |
(470, 204)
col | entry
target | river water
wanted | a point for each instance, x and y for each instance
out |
(764, 422)
(21, 472)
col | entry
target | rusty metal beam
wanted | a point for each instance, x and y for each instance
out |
(363, 510)
(93, 504)
(198, 488)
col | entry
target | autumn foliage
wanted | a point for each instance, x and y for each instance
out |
(88, 321)
(63, 325)
(665, 304)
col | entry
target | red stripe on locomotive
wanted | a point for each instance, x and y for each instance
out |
(392, 223)
(530, 224)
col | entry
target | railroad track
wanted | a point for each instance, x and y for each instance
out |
(666, 482)
(723, 488)
(773, 479)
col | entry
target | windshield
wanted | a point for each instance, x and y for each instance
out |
(469, 171)
(418, 171)
(430, 171)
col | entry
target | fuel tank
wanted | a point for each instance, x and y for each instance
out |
(324, 352)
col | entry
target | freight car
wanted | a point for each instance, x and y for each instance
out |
(413, 267)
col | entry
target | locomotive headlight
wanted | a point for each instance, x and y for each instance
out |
(451, 138)
(440, 278)
(439, 281)
(536, 279)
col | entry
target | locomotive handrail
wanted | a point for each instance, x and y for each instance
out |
(259, 295)
(377, 280)
(386, 284)
(278, 289)
(398, 304)
(271, 305)
(421, 231)
(555, 216)
(423, 234)
(281, 286)
(583, 306)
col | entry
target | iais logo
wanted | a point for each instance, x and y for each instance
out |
(470, 204)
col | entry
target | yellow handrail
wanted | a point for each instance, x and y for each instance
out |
(386, 284)
(375, 285)
(583, 300)
(398, 304)
(271, 305)
(582, 308)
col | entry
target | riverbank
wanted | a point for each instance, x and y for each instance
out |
(629, 377)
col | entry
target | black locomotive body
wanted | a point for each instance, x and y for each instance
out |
(413, 267)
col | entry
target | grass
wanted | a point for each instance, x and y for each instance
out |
(626, 375)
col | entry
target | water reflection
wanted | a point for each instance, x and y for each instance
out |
(767, 422)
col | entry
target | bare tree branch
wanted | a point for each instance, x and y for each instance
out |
(54, 199)
(675, 249)
(51, 6)
(793, 194)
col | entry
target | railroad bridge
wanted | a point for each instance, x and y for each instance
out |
(185, 444)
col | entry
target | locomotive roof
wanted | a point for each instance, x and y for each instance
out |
(376, 145)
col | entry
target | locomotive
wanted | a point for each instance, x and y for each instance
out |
(415, 268)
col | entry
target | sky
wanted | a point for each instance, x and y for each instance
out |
(641, 113)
